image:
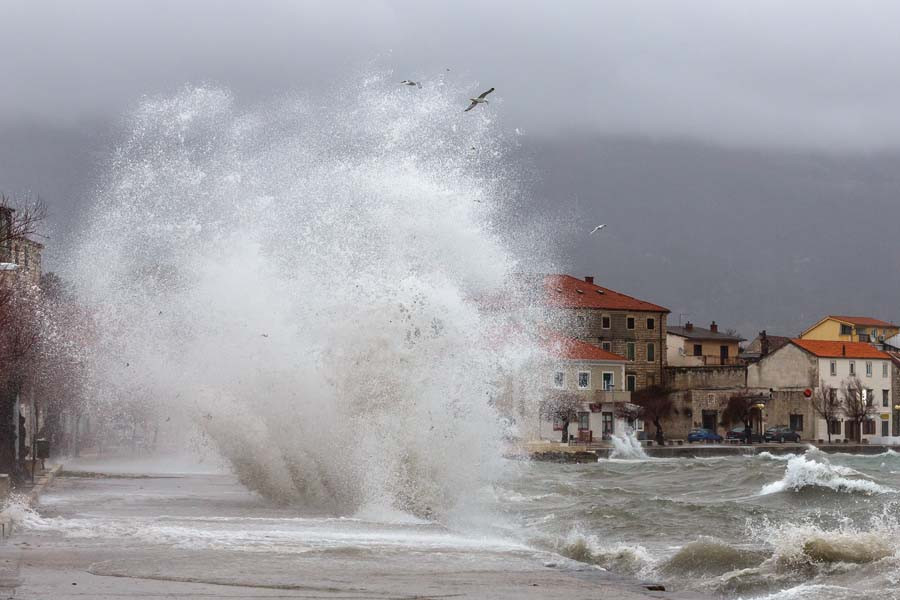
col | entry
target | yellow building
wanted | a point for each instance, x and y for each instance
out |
(840, 328)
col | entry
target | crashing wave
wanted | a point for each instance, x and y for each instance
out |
(627, 447)
(802, 472)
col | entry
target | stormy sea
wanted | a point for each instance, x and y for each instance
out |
(295, 289)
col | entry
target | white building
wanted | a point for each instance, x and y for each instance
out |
(597, 376)
(839, 362)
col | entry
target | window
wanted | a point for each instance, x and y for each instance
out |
(629, 350)
(846, 330)
(853, 367)
(584, 380)
(651, 352)
(868, 427)
(869, 397)
(630, 382)
(606, 346)
(885, 401)
(651, 379)
(651, 323)
(796, 422)
(584, 422)
(868, 368)
(885, 428)
(559, 380)
(834, 428)
(833, 367)
(629, 323)
(698, 350)
(604, 321)
(609, 382)
(884, 369)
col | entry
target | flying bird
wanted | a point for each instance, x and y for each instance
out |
(597, 228)
(479, 100)
(411, 83)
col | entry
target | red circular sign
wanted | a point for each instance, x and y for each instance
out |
(807, 392)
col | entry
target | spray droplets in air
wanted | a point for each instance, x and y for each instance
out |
(299, 280)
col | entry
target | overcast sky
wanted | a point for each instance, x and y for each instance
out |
(707, 106)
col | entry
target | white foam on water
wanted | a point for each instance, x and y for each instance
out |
(627, 447)
(802, 472)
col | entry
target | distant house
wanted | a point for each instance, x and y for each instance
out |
(840, 328)
(594, 376)
(794, 373)
(762, 345)
(612, 321)
(691, 346)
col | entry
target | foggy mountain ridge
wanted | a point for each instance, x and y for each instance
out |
(753, 239)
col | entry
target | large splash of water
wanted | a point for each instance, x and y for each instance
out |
(299, 280)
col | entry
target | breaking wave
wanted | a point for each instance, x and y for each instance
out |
(299, 282)
(802, 472)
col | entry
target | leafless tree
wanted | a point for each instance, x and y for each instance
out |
(19, 220)
(562, 407)
(656, 404)
(827, 404)
(739, 409)
(858, 405)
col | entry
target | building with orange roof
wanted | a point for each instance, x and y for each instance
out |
(843, 328)
(591, 375)
(610, 320)
(795, 373)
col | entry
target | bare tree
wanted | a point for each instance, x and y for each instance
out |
(656, 404)
(858, 405)
(827, 404)
(562, 407)
(19, 221)
(739, 409)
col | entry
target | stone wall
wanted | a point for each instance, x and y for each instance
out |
(689, 378)
(788, 367)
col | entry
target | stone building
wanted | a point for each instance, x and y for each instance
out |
(610, 320)
(700, 395)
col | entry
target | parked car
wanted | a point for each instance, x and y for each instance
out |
(703, 435)
(781, 433)
(737, 433)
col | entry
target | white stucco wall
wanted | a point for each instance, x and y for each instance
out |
(878, 382)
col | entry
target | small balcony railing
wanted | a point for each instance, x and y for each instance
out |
(715, 361)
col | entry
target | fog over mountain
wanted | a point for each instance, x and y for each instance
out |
(745, 156)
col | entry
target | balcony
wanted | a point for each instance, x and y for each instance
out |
(710, 361)
(610, 396)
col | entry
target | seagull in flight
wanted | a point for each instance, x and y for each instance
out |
(597, 228)
(411, 83)
(479, 100)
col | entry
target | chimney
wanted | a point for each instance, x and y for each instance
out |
(589, 279)
(689, 326)
(713, 327)
(843, 349)
(763, 344)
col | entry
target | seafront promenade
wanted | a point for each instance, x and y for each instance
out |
(583, 453)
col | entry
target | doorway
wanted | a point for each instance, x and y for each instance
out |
(710, 419)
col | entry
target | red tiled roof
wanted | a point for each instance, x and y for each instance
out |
(830, 349)
(864, 321)
(572, 349)
(565, 291)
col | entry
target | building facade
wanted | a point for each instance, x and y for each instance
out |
(838, 328)
(593, 375)
(692, 346)
(612, 321)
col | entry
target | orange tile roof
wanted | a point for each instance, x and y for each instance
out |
(864, 321)
(831, 349)
(565, 291)
(565, 347)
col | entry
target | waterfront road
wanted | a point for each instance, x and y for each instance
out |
(149, 533)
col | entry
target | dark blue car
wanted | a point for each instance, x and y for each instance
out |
(703, 435)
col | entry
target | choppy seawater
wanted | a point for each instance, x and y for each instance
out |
(807, 525)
